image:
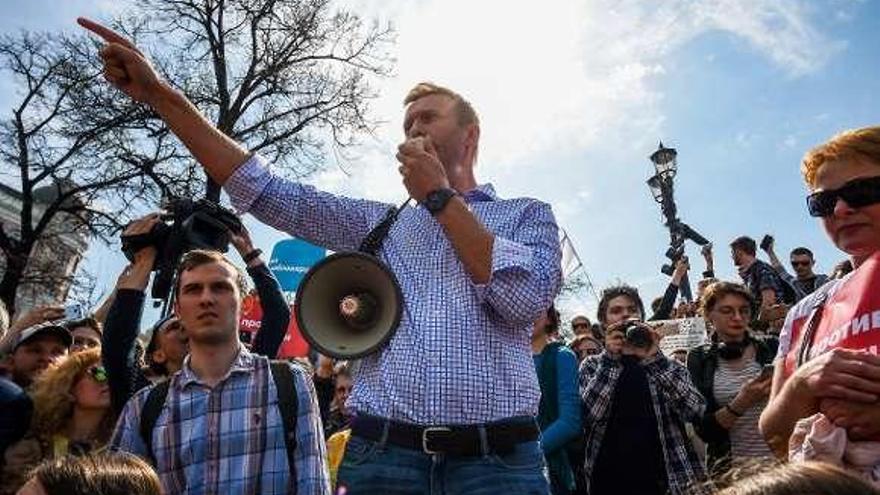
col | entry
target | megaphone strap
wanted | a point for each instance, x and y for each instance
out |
(373, 241)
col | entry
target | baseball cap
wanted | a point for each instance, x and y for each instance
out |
(48, 328)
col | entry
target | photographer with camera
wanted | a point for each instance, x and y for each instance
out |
(805, 280)
(167, 345)
(636, 402)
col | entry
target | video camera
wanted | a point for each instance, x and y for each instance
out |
(185, 225)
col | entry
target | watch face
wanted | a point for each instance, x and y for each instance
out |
(436, 200)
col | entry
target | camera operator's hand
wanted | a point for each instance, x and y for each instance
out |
(137, 274)
(421, 168)
(615, 337)
(643, 352)
(241, 240)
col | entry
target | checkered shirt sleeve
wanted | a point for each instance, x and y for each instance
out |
(461, 353)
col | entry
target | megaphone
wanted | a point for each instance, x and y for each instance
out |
(348, 305)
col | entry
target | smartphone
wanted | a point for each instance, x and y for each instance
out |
(766, 242)
(73, 312)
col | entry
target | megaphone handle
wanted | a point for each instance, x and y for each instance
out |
(374, 239)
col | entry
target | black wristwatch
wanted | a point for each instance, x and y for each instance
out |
(435, 201)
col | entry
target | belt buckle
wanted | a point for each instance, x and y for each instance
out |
(425, 439)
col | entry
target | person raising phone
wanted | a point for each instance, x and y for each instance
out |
(732, 373)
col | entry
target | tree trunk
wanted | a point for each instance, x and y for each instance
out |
(12, 276)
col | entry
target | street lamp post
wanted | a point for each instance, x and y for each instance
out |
(662, 189)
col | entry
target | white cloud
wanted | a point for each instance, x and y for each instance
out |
(556, 81)
(552, 80)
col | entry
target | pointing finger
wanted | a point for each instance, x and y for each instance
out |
(107, 34)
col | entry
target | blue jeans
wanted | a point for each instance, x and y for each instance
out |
(377, 468)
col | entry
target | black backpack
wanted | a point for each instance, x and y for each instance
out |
(287, 406)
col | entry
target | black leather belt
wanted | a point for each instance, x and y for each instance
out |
(459, 440)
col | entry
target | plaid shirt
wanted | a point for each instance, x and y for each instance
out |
(760, 276)
(230, 439)
(462, 352)
(675, 400)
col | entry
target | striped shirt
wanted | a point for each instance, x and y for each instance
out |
(462, 352)
(745, 439)
(229, 439)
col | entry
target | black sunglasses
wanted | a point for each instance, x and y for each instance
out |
(857, 193)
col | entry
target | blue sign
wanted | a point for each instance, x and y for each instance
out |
(291, 259)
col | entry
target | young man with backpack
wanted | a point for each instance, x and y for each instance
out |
(229, 421)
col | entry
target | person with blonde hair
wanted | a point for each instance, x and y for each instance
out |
(72, 416)
(101, 474)
(842, 382)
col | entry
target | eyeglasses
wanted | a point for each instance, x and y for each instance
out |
(346, 390)
(589, 352)
(98, 373)
(857, 193)
(745, 312)
(800, 263)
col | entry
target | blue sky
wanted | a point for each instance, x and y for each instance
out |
(574, 95)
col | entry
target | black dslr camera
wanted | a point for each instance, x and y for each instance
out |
(185, 225)
(638, 336)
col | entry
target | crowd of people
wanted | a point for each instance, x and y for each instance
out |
(477, 391)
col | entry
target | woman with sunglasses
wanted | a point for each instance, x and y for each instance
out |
(729, 372)
(72, 416)
(843, 176)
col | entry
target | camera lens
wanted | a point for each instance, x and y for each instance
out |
(638, 336)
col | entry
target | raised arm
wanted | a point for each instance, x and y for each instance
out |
(276, 312)
(124, 319)
(128, 69)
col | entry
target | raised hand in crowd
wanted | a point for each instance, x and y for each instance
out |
(243, 244)
(774, 315)
(681, 269)
(706, 251)
(137, 274)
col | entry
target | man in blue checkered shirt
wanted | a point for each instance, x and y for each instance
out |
(220, 429)
(449, 405)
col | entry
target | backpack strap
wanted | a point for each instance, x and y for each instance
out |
(150, 412)
(287, 406)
